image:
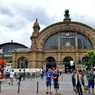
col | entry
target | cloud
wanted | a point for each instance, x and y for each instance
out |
(5, 11)
(17, 16)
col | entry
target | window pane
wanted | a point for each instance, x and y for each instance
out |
(67, 37)
(51, 42)
(83, 42)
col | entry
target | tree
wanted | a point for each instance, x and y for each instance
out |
(90, 56)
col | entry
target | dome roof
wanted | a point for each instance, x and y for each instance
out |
(10, 46)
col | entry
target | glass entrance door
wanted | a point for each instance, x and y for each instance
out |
(68, 68)
(50, 63)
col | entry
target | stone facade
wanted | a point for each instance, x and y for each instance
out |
(37, 55)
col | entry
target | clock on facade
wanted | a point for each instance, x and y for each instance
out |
(67, 44)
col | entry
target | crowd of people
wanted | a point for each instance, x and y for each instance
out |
(83, 80)
(80, 79)
(11, 75)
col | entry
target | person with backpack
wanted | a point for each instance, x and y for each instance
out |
(19, 76)
(90, 80)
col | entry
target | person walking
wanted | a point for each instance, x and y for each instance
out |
(11, 77)
(56, 82)
(48, 80)
(78, 79)
(19, 76)
(90, 80)
(73, 81)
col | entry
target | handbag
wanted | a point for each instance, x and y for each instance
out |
(86, 87)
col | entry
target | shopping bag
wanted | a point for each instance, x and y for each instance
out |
(86, 87)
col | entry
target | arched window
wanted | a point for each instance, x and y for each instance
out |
(67, 59)
(22, 62)
(50, 59)
(51, 42)
(68, 38)
(83, 42)
(50, 62)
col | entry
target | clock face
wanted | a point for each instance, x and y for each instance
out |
(67, 44)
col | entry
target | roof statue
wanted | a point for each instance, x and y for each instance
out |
(66, 15)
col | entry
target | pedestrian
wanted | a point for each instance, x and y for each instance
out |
(48, 80)
(11, 77)
(56, 82)
(15, 75)
(90, 80)
(42, 74)
(7, 74)
(60, 71)
(78, 79)
(83, 82)
(19, 76)
(73, 80)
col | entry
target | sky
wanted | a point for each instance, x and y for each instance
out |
(18, 16)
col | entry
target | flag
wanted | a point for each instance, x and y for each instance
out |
(67, 34)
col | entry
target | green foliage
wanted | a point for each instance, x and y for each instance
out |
(90, 55)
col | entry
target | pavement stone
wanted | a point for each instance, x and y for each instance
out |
(29, 87)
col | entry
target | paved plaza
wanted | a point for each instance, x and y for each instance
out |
(29, 87)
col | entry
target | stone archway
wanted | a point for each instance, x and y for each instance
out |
(66, 61)
(50, 63)
(22, 62)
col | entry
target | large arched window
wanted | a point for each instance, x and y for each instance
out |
(51, 42)
(83, 42)
(68, 38)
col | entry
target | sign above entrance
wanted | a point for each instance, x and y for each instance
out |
(71, 63)
(67, 34)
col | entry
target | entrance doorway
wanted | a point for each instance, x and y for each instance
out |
(50, 63)
(68, 68)
(22, 62)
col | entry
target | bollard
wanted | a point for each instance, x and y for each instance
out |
(0, 86)
(18, 87)
(62, 76)
(37, 87)
(31, 77)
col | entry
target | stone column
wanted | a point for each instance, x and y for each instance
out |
(58, 40)
(40, 60)
(14, 61)
(32, 60)
(76, 40)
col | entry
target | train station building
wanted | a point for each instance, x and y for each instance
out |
(55, 46)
